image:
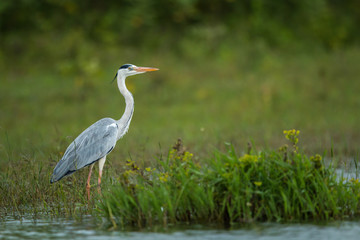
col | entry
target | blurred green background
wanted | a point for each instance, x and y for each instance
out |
(230, 71)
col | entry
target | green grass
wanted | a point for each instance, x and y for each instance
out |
(237, 93)
(281, 185)
(26, 191)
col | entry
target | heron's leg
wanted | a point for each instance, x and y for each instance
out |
(88, 181)
(89, 177)
(101, 165)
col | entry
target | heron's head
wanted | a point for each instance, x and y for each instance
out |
(130, 69)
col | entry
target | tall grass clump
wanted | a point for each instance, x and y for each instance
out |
(25, 189)
(278, 185)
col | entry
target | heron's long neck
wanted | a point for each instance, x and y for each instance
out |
(124, 121)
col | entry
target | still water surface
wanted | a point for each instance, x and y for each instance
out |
(68, 229)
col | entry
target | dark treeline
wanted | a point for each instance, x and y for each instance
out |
(330, 23)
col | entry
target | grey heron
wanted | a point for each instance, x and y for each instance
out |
(98, 140)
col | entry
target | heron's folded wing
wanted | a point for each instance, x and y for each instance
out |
(91, 145)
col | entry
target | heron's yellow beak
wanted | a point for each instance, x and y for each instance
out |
(145, 69)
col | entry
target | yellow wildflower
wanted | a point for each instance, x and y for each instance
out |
(258, 183)
(163, 177)
(129, 172)
(292, 135)
(187, 157)
(317, 161)
(129, 162)
(355, 181)
(248, 159)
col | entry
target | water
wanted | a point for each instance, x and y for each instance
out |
(68, 229)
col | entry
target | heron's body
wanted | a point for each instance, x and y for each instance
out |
(90, 146)
(98, 140)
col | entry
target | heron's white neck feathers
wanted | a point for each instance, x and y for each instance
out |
(124, 121)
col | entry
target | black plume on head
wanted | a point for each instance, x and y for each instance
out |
(125, 66)
(114, 78)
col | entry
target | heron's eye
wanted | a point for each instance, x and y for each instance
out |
(131, 68)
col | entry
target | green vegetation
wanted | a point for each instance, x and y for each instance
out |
(227, 188)
(250, 93)
(26, 191)
(281, 185)
(332, 24)
(230, 71)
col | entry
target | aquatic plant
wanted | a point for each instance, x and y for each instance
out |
(228, 188)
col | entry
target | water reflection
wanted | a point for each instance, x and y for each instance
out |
(61, 229)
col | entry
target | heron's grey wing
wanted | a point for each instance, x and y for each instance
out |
(90, 146)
